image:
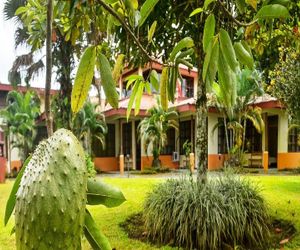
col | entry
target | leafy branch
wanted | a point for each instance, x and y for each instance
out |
(127, 28)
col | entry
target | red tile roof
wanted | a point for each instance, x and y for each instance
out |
(8, 87)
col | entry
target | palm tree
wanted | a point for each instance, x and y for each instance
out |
(236, 112)
(153, 130)
(19, 120)
(90, 125)
(25, 62)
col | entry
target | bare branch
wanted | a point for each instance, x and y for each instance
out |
(228, 13)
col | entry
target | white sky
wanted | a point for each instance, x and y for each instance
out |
(8, 52)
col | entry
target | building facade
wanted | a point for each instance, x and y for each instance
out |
(9, 155)
(275, 147)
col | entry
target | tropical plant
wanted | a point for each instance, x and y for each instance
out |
(187, 149)
(285, 81)
(153, 130)
(54, 188)
(236, 112)
(90, 125)
(90, 166)
(19, 120)
(226, 212)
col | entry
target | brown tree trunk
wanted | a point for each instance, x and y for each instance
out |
(64, 61)
(201, 128)
(49, 119)
(201, 148)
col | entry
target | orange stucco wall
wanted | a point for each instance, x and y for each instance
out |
(106, 163)
(166, 161)
(2, 169)
(16, 165)
(288, 160)
(215, 161)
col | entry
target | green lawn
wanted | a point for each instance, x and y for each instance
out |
(281, 192)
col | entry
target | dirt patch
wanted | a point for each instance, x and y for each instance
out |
(134, 227)
(282, 231)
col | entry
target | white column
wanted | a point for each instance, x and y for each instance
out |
(133, 147)
(283, 133)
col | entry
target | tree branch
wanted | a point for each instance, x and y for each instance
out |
(49, 120)
(228, 13)
(126, 27)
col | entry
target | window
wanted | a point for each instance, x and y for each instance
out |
(222, 148)
(184, 133)
(146, 75)
(187, 87)
(253, 139)
(253, 142)
(125, 92)
(126, 130)
(109, 150)
(170, 145)
(293, 145)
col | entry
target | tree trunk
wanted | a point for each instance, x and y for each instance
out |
(201, 148)
(201, 118)
(64, 54)
(49, 119)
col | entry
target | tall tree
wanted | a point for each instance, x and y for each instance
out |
(153, 130)
(176, 20)
(19, 119)
(49, 119)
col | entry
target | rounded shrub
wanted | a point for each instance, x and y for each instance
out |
(226, 212)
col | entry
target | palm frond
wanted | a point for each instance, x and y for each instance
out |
(10, 7)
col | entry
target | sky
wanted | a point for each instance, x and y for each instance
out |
(8, 52)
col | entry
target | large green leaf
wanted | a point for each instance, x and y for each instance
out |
(213, 65)
(184, 43)
(108, 84)
(99, 193)
(118, 67)
(154, 79)
(151, 31)
(10, 205)
(207, 3)
(212, 46)
(132, 97)
(273, 11)
(196, 11)
(83, 78)
(281, 2)
(243, 55)
(209, 31)
(93, 234)
(228, 50)
(146, 9)
(138, 99)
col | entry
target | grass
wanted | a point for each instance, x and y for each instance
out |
(281, 192)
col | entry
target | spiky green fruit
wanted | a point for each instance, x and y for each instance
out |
(50, 203)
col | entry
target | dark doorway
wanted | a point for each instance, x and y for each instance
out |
(127, 139)
(138, 147)
(273, 140)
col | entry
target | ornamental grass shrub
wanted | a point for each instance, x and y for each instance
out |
(226, 213)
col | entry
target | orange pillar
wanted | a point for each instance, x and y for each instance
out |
(266, 161)
(192, 162)
(121, 164)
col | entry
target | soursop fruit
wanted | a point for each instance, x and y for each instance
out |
(51, 200)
